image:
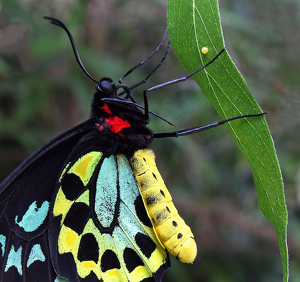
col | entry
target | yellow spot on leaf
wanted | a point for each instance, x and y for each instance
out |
(204, 50)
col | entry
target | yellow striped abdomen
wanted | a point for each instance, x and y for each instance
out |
(170, 228)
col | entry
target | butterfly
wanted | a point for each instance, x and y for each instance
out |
(91, 205)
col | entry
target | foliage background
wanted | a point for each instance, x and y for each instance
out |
(43, 92)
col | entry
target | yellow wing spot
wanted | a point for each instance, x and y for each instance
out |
(61, 204)
(84, 268)
(64, 171)
(139, 274)
(84, 198)
(91, 228)
(88, 265)
(116, 275)
(114, 272)
(85, 166)
(68, 241)
(82, 167)
(204, 50)
(70, 238)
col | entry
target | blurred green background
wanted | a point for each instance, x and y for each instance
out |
(44, 92)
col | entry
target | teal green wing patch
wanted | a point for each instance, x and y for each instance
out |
(136, 225)
(34, 216)
(100, 230)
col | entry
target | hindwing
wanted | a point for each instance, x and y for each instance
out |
(100, 230)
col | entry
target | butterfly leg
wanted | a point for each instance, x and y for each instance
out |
(202, 128)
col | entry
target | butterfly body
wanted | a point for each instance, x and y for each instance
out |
(170, 228)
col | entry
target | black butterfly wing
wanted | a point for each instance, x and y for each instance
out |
(25, 197)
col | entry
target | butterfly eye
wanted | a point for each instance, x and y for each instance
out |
(106, 85)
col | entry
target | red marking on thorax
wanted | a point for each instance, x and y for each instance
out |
(106, 109)
(115, 123)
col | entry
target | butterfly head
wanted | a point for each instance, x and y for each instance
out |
(116, 97)
(109, 90)
(118, 118)
(106, 86)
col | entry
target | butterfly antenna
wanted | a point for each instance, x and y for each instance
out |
(154, 70)
(202, 128)
(141, 63)
(60, 24)
(146, 59)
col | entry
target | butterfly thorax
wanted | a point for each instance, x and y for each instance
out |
(123, 126)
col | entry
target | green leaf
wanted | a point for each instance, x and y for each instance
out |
(194, 24)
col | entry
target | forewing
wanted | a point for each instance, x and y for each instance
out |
(25, 199)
